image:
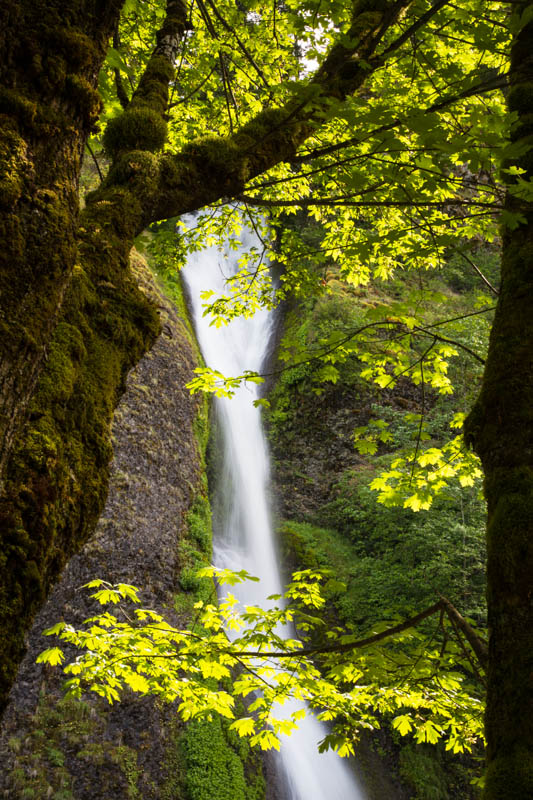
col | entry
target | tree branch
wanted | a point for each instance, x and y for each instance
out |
(241, 45)
(154, 83)
(450, 341)
(349, 646)
(95, 161)
(412, 29)
(476, 643)
(274, 135)
(477, 270)
(141, 128)
(344, 200)
(122, 94)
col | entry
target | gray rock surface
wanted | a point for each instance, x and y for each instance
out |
(52, 748)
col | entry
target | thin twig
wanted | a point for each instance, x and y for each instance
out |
(193, 92)
(467, 655)
(242, 46)
(356, 645)
(97, 165)
(451, 341)
(226, 92)
(412, 29)
(476, 268)
(422, 415)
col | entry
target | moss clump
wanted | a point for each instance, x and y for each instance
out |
(76, 47)
(191, 559)
(65, 354)
(211, 769)
(208, 761)
(194, 551)
(228, 161)
(219, 157)
(13, 160)
(84, 98)
(138, 128)
(126, 760)
(258, 132)
(135, 165)
(199, 523)
(153, 89)
(17, 106)
(39, 769)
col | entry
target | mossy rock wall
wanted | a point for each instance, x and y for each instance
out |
(156, 522)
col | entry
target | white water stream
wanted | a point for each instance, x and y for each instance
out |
(244, 538)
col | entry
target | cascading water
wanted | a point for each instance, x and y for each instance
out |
(244, 538)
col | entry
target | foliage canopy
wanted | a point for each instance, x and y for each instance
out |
(427, 691)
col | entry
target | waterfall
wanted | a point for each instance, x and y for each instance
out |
(244, 537)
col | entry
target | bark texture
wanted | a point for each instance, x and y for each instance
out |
(500, 428)
(51, 53)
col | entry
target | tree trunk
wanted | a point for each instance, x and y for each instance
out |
(500, 428)
(51, 53)
(72, 321)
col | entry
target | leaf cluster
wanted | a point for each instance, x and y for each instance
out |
(140, 651)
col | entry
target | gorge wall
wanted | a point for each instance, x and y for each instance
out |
(155, 530)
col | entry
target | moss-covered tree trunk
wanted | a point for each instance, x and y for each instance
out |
(72, 321)
(80, 319)
(500, 428)
(50, 56)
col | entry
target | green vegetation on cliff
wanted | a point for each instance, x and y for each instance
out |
(393, 562)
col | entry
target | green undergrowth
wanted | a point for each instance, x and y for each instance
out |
(394, 562)
(391, 571)
(194, 552)
(400, 560)
(432, 775)
(207, 760)
(68, 748)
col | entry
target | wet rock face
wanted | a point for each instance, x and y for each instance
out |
(52, 748)
(316, 446)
